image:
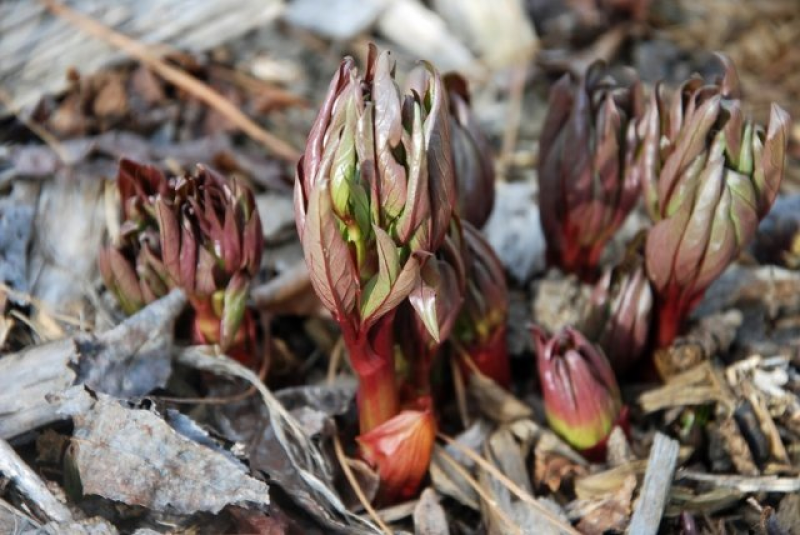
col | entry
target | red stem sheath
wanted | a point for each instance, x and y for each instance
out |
(582, 261)
(491, 358)
(372, 358)
(673, 311)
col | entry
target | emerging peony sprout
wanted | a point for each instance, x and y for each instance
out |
(622, 309)
(200, 233)
(585, 188)
(581, 397)
(374, 197)
(481, 326)
(711, 174)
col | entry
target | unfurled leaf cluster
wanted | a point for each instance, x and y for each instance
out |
(587, 187)
(377, 211)
(710, 175)
(707, 173)
(200, 233)
(482, 323)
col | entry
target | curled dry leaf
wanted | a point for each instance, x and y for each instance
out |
(610, 513)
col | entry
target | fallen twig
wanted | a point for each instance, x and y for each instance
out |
(655, 489)
(745, 483)
(29, 484)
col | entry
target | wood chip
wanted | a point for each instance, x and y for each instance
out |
(744, 483)
(655, 490)
(30, 485)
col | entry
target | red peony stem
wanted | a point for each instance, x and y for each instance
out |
(491, 358)
(372, 358)
(672, 314)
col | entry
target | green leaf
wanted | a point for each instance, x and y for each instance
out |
(379, 288)
(361, 209)
(344, 162)
(233, 309)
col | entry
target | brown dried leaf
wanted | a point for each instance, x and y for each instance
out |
(554, 471)
(610, 513)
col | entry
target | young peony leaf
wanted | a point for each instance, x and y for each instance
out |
(418, 205)
(423, 299)
(170, 238)
(233, 309)
(770, 158)
(331, 269)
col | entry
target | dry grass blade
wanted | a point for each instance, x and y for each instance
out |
(175, 76)
(514, 115)
(460, 392)
(513, 487)
(335, 360)
(351, 478)
(482, 492)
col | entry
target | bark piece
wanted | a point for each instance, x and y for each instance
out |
(130, 360)
(133, 456)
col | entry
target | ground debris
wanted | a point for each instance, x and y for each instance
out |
(130, 360)
(655, 489)
(133, 456)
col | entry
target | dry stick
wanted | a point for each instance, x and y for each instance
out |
(655, 489)
(510, 485)
(29, 484)
(480, 490)
(175, 76)
(340, 456)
